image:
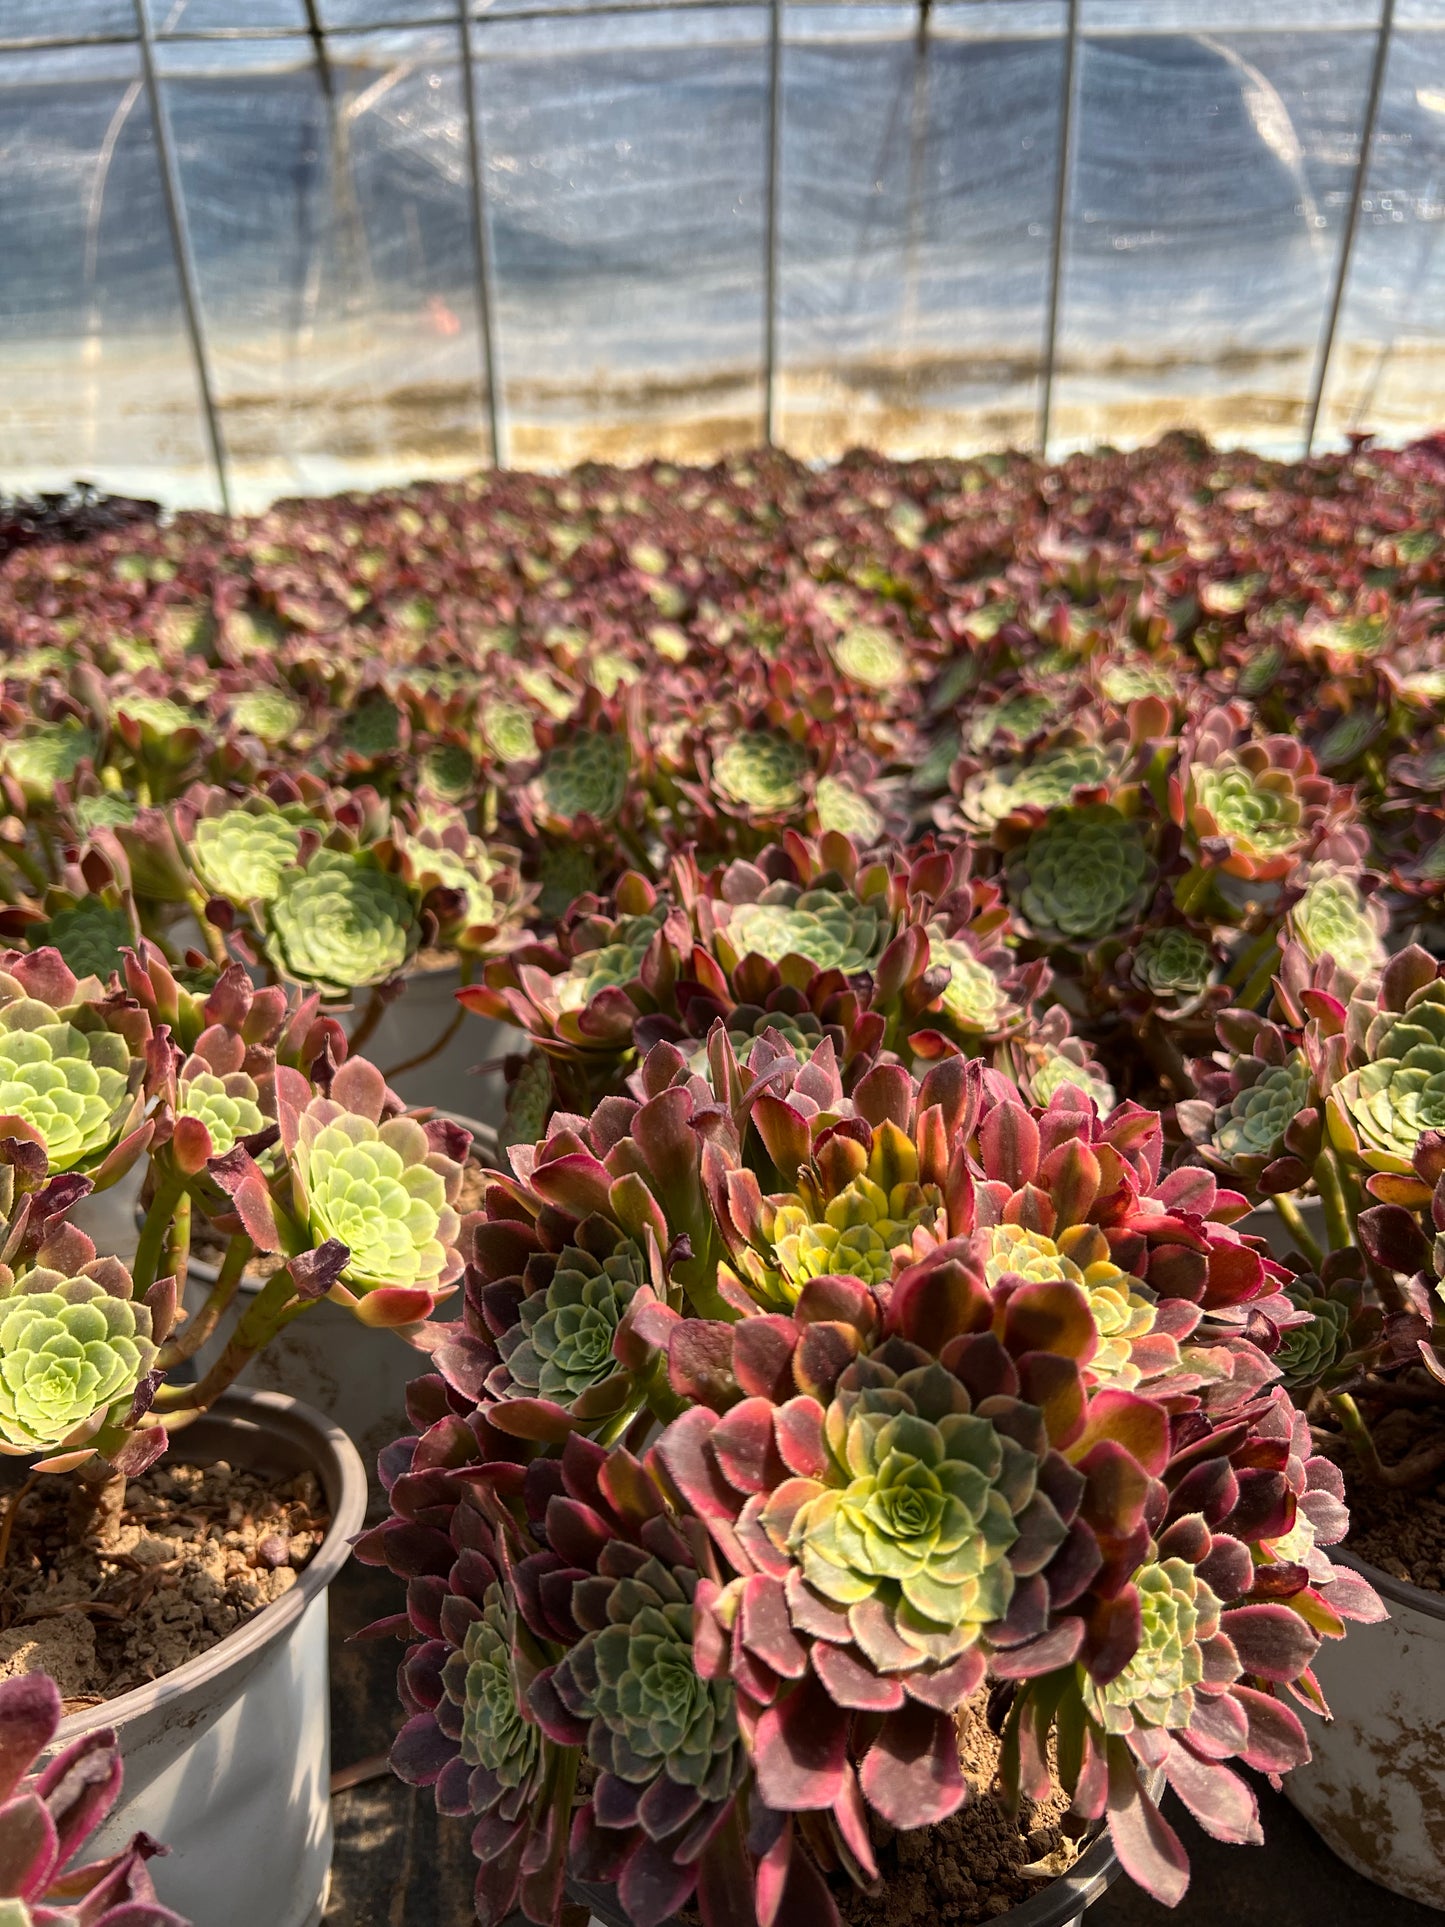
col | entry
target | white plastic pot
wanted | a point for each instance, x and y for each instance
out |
(109, 1217)
(356, 1376)
(228, 1758)
(412, 1023)
(1374, 1790)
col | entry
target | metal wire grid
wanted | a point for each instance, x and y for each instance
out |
(464, 19)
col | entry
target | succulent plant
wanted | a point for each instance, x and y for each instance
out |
(341, 923)
(1334, 919)
(227, 1104)
(761, 771)
(529, 1102)
(47, 756)
(1396, 1087)
(1251, 808)
(1307, 1351)
(105, 810)
(584, 775)
(509, 732)
(90, 935)
(871, 657)
(832, 928)
(243, 854)
(272, 716)
(1252, 1125)
(1172, 964)
(70, 1080)
(1083, 875)
(375, 1186)
(371, 730)
(47, 1813)
(842, 808)
(1122, 1308)
(1179, 1620)
(561, 1347)
(1051, 1071)
(1047, 782)
(449, 771)
(975, 999)
(71, 1346)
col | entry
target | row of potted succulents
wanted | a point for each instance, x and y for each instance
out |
(928, 911)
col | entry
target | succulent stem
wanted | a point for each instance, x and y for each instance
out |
(1292, 1219)
(1338, 1229)
(218, 1301)
(259, 1324)
(434, 1049)
(1416, 1470)
(155, 1231)
(371, 1017)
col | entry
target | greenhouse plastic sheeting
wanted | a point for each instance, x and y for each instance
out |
(256, 247)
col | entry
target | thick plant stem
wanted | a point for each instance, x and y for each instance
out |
(176, 1252)
(1338, 1228)
(1191, 890)
(97, 1500)
(189, 1340)
(155, 1231)
(12, 1513)
(1292, 1218)
(259, 1325)
(1416, 1470)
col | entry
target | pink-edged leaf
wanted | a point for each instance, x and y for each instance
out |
(244, 1183)
(763, 1356)
(139, 1451)
(1009, 1141)
(653, 1886)
(700, 1362)
(29, 1849)
(30, 1709)
(420, 1751)
(767, 1629)
(576, 1183)
(1052, 1317)
(744, 1449)
(1219, 1800)
(1272, 1641)
(941, 1298)
(911, 1775)
(1353, 1597)
(798, 1429)
(1060, 1646)
(1277, 1740)
(849, 1683)
(1148, 1847)
(947, 1687)
(802, 1750)
(784, 1132)
(1220, 1727)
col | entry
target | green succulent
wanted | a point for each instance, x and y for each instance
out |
(376, 1188)
(449, 771)
(1254, 1121)
(1085, 874)
(341, 923)
(1425, 687)
(228, 1106)
(931, 774)
(566, 871)
(919, 1510)
(1350, 737)
(612, 965)
(71, 1085)
(372, 729)
(1120, 1305)
(975, 1001)
(46, 756)
(110, 810)
(871, 657)
(1129, 679)
(90, 934)
(840, 807)
(69, 1348)
(561, 1347)
(529, 1103)
(1057, 1069)
(1258, 675)
(652, 1712)
(857, 1230)
(1046, 783)
(761, 771)
(669, 641)
(547, 693)
(586, 776)
(1260, 819)
(1331, 919)
(1022, 716)
(158, 717)
(480, 1681)
(832, 929)
(270, 715)
(243, 855)
(608, 671)
(1400, 1092)
(1171, 963)
(1306, 1352)
(509, 733)
(1180, 1615)
(1349, 635)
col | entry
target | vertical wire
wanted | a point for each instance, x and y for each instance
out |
(770, 234)
(181, 246)
(1352, 221)
(1061, 209)
(481, 243)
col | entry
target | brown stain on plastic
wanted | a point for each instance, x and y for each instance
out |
(1361, 1825)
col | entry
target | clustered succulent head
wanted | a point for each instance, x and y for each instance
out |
(70, 1348)
(67, 1079)
(1083, 875)
(50, 1808)
(342, 922)
(920, 1428)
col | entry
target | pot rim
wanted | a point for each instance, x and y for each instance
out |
(484, 1139)
(333, 1452)
(1431, 1604)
